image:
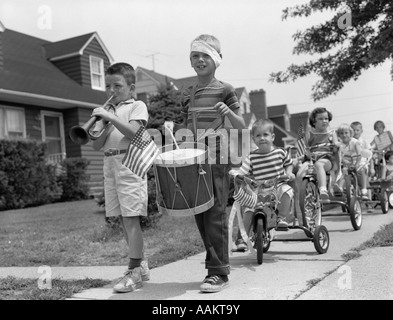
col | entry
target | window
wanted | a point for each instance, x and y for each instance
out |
(97, 73)
(12, 122)
(53, 132)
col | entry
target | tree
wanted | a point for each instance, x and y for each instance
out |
(164, 105)
(359, 36)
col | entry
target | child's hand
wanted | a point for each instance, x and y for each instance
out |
(102, 113)
(222, 109)
(291, 176)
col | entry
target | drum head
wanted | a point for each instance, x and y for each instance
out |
(187, 154)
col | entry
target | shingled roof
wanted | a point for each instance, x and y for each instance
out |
(27, 71)
(277, 111)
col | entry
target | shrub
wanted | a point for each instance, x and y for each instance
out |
(25, 177)
(74, 179)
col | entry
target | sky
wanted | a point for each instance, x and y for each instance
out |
(255, 41)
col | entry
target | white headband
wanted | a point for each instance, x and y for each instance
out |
(203, 46)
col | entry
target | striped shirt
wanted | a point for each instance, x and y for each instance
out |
(265, 166)
(206, 98)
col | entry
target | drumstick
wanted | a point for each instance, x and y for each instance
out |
(170, 131)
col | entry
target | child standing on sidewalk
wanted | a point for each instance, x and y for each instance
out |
(125, 191)
(214, 99)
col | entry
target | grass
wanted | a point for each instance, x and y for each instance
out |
(76, 234)
(382, 238)
(27, 289)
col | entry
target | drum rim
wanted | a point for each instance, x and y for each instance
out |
(187, 212)
(200, 159)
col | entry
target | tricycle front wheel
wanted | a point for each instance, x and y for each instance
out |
(321, 239)
(355, 213)
(384, 201)
(260, 239)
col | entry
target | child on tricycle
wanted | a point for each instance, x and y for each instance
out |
(267, 163)
(354, 157)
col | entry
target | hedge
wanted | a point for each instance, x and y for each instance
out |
(25, 177)
(74, 180)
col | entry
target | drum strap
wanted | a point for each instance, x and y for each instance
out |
(213, 126)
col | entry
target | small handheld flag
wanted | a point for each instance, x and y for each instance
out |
(301, 142)
(141, 153)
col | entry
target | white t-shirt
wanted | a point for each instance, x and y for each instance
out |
(129, 110)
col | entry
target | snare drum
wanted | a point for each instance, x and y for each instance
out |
(184, 180)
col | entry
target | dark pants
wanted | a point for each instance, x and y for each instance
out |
(213, 224)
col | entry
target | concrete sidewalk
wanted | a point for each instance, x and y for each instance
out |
(368, 277)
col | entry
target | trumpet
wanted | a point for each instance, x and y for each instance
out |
(82, 135)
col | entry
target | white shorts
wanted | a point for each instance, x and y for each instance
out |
(125, 192)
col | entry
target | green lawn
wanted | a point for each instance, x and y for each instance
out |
(75, 234)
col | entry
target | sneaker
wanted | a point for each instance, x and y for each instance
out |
(131, 281)
(365, 196)
(241, 245)
(145, 271)
(281, 223)
(214, 283)
(324, 195)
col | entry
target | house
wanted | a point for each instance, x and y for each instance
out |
(300, 118)
(48, 87)
(278, 114)
(148, 82)
(281, 117)
(258, 104)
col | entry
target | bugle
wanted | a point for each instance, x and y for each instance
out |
(81, 134)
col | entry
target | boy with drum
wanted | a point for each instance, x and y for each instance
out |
(125, 191)
(213, 99)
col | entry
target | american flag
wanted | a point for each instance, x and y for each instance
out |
(301, 141)
(141, 153)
